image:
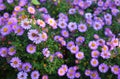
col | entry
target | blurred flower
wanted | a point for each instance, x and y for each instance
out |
(72, 26)
(31, 48)
(41, 23)
(74, 49)
(15, 62)
(82, 27)
(35, 74)
(62, 24)
(79, 55)
(103, 68)
(115, 69)
(5, 30)
(26, 67)
(61, 72)
(93, 45)
(31, 10)
(11, 51)
(22, 75)
(105, 54)
(25, 24)
(65, 33)
(94, 62)
(3, 51)
(45, 77)
(95, 54)
(46, 52)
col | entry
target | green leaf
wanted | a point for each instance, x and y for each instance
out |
(35, 2)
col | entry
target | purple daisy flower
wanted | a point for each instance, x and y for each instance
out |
(43, 10)
(65, 33)
(107, 17)
(97, 26)
(93, 45)
(70, 75)
(72, 11)
(59, 54)
(23, 2)
(46, 52)
(101, 42)
(25, 24)
(72, 26)
(95, 54)
(94, 74)
(88, 16)
(65, 67)
(115, 69)
(100, 3)
(20, 67)
(87, 72)
(79, 55)
(94, 62)
(103, 68)
(11, 51)
(22, 75)
(82, 27)
(80, 40)
(69, 44)
(35, 74)
(117, 2)
(2, 6)
(5, 30)
(62, 24)
(77, 74)
(39, 38)
(15, 62)
(3, 52)
(105, 54)
(31, 48)
(115, 11)
(61, 72)
(6, 15)
(26, 67)
(12, 21)
(19, 31)
(74, 49)
(33, 34)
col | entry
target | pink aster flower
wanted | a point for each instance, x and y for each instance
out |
(74, 49)
(26, 67)
(103, 68)
(44, 36)
(35, 74)
(115, 69)
(94, 62)
(95, 54)
(93, 45)
(82, 27)
(105, 55)
(31, 48)
(45, 77)
(79, 55)
(31, 10)
(41, 23)
(61, 72)
(46, 52)
(11, 50)
(3, 52)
